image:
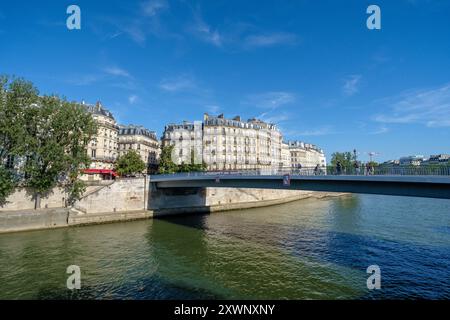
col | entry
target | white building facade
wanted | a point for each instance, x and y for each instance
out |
(103, 148)
(306, 155)
(234, 144)
(143, 141)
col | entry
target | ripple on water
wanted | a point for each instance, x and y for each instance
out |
(311, 249)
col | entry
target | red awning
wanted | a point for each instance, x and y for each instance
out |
(101, 171)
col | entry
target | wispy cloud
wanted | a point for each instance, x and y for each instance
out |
(271, 39)
(320, 131)
(381, 130)
(179, 83)
(133, 99)
(116, 71)
(351, 84)
(205, 32)
(153, 7)
(274, 118)
(139, 22)
(84, 80)
(269, 100)
(430, 107)
(213, 108)
(136, 32)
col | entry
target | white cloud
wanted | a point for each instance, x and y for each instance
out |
(430, 107)
(380, 130)
(274, 118)
(179, 83)
(271, 39)
(351, 84)
(133, 99)
(270, 100)
(321, 131)
(136, 33)
(205, 32)
(84, 80)
(213, 109)
(153, 7)
(116, 71)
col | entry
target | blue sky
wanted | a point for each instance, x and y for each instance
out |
(312, 67)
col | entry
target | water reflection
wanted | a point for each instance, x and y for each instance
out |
(308, 249)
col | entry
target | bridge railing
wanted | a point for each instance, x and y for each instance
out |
(437, 170)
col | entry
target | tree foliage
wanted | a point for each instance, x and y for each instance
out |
(16, 96)
(49, 133)
(7, 183)
(130, 164)
(166, 165)
(345, 158)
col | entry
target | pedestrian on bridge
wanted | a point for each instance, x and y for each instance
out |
(338, 168)
(357, 168)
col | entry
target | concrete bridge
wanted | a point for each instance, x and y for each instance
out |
(430, 186)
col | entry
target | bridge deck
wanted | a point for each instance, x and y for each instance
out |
(417, 186)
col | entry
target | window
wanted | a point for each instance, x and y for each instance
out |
(93, 153)
(10, 162)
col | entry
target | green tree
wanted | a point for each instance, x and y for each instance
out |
(7, 184)
(192, 167)
(130, 164)
(196, 167)
(58, 132)
(166, 165)
(16, 95)
(347, 160)
(49, 133)
(373, 164)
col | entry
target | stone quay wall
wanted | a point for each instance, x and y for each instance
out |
(131, 199)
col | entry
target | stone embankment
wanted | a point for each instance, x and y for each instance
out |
(131, 199)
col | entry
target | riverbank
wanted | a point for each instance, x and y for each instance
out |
(122, 201)
(227, 203)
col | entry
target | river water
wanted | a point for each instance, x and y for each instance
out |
(308, 249)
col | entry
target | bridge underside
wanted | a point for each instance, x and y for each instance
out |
(413, 186)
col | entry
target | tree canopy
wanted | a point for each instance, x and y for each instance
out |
(130, 164)
(166, 165)
(48, 133)
(345, 158)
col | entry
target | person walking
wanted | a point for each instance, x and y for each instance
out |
(357, 168)
(370, 169)
(338, 167)
(316, 170)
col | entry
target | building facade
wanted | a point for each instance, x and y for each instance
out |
(141, 140)
(225, 144)
(306, 155)
(439, 159)
(187, 139)
(415, 160)
(285, 156)
(103, 148)
(234, 144)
